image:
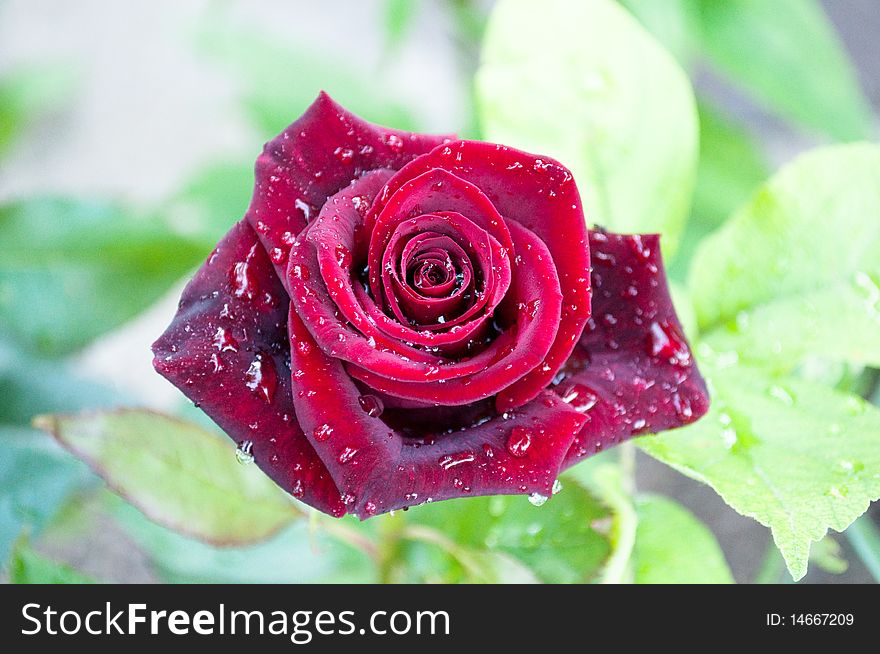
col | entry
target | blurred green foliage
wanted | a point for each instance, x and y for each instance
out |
(627, 136)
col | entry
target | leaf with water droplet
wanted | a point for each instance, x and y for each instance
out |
(793, 463)
(177, 473)
(556, 541)
(796, 272)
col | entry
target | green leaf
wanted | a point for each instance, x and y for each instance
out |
(298, 553)
(798, 457)
(561, 541)
(278, 80)
(27, 95)
(673, 547)
(585, 83)
(796, 272)
(177, 473)
(605, 479)
(71, 270)
(30, 567)
(731, 169)
(787, 55)
(36, 476)
(672, 22)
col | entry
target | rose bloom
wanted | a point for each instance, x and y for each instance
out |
(405, 318)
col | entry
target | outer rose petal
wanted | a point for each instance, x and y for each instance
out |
(632, 372)
(316, 156)
(378, 469)
(227, 350)
(541, 195)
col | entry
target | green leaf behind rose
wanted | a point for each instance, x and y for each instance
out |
(583, 82)
(798, 457)
(796, 272)
(673, 547)
(786, 54)
(177, 473)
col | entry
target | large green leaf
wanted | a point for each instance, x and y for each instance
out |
(787, 55)
(796, 272)
(798, 457)
(71, 270)
(298, 553)
(561, 541)
(177, 473)
(672, 22)
(674, 547)
(585, 83)
(30, 567)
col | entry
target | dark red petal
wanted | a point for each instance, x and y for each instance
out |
(532, 307)
(541, 195)
(227, 350)
(337, 236)
(632, 372)
(378, 469)
(484, 254)
(435, 191)
(316, 156)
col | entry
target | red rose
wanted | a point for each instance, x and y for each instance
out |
(403, 318)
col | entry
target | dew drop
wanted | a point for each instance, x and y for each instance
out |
(519, 441)
(261, 378)
(371, 405)
(536, 499)
(394, 142)
(579, 397)
(665, 341)
(224, 341)
(452, 460)
(244, 452)
(346, 455)
(322, 432)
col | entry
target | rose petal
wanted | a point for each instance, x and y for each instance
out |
(378, 469)
(316, 156)
(532, 307)
(632, 372)
(540, 194)
(227, 350)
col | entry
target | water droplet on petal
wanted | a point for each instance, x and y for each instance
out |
(519, 441)
(371, 405)
(346, 455)
(579, 397)
(322, 432)
(665, 341)
(452, 460)
(261, 378)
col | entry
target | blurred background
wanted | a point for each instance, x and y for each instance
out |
(127, 136)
